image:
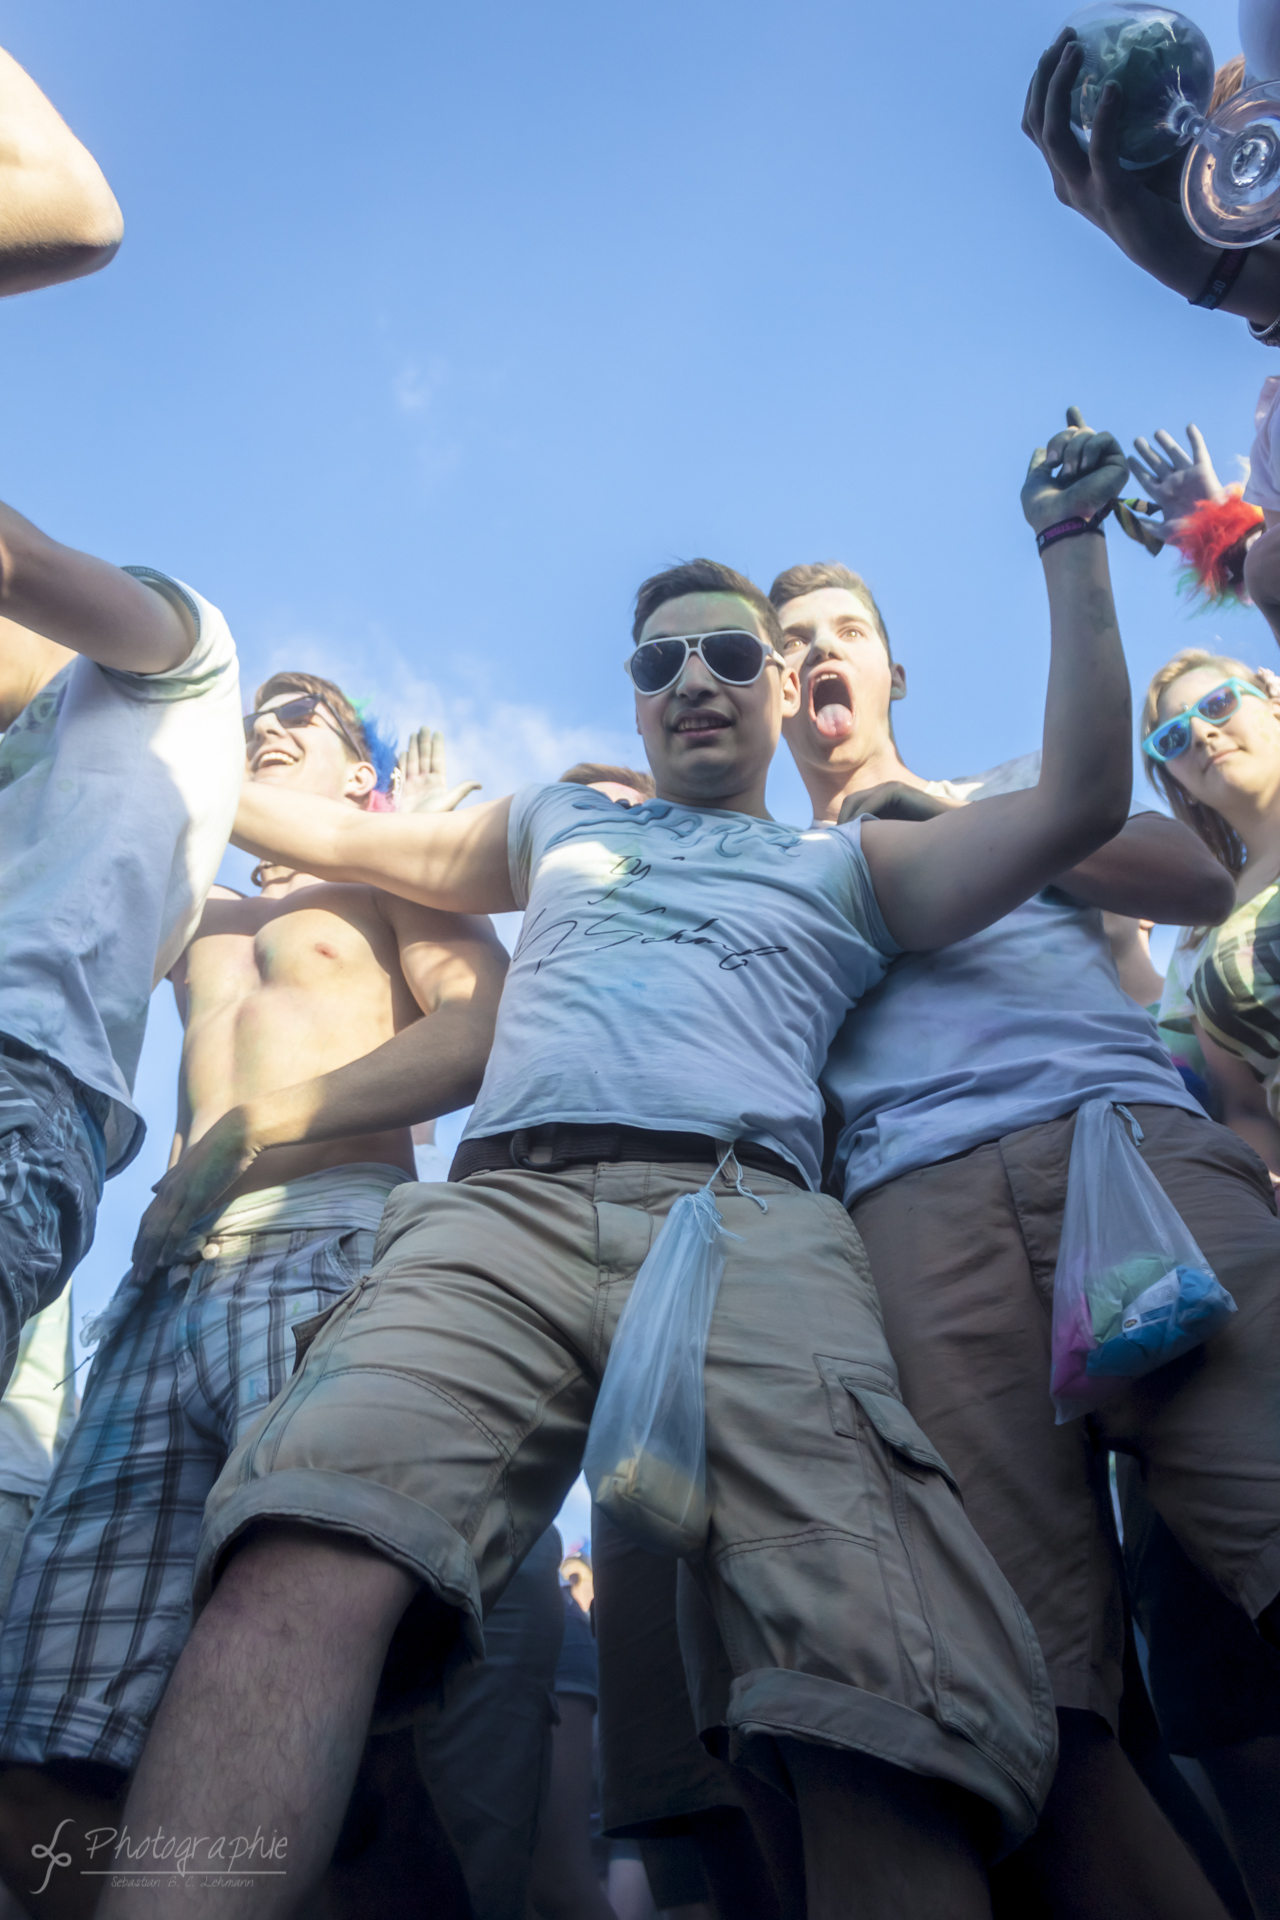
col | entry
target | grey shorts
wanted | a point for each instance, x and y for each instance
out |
(441, 1412)
(53, 1160)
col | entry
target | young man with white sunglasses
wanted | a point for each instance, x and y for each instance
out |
(682, 967)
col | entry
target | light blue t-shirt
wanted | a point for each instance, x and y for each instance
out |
(1017, 1025)
(679, 970)
(117, 793)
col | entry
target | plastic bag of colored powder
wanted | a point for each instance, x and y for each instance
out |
(1131, 1290)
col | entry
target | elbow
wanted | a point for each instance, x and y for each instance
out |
(1211, 899)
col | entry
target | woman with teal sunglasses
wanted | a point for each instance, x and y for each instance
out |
(1211, 745)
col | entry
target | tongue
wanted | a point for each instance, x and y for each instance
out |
(834, 721)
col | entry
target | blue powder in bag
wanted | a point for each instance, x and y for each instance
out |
(1182, 1308)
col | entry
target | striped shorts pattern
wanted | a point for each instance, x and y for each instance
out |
(101, 1605)
(52, 1166)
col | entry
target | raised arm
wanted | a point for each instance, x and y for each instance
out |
(58, 217)
(88, 605)
(949, 877)
(455, 968)
(1145, 222)
(453, 861)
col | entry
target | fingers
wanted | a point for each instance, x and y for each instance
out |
(1143, 475)
(1199, 450)
(1076, 419)
(1156, 461)
(436, 757)
(1059, 144)
(446, 802)
(1033, 111)
(1177, 456)
(1040, 462)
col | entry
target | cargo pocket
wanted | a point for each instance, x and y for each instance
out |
(970, 1660)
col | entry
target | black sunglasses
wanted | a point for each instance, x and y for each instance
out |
(733, 655)
(299, 713)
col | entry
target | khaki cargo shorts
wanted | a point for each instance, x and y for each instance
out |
(963, 1253)
(441, 1411)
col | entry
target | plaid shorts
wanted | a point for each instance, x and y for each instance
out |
(52, 1167)
(101, 1605)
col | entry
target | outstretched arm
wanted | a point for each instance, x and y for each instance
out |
(949, 877)
(58, 217)
(86, 604)
(1145, 224)
(1154, 869)
(453, 861)
(455, 969)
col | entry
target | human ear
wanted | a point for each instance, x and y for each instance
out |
(897, 681)
(790, 682)
(361, 780)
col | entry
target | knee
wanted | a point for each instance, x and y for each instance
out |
(276, 1574)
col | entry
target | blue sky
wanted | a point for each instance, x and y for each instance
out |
(435, 329)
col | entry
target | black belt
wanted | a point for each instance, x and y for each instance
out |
(548, 1149)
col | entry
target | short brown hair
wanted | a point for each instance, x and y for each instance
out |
(828, 573)
(334, 698)
(587, 772)
(1217, 833)
(701, 576)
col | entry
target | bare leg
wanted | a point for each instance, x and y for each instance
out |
(563, 1885)
(36, 1803)
(1103, 1849)
(1246, 1780)
(884, 1844)
(394, 1860)
(264, 1720)
(629, 1894)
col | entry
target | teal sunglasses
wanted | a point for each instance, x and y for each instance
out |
(1174, 737)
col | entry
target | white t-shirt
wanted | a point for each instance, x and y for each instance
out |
(38, 1410)
(117, 794)
(1262, 489)
(678, 970)
(1014, 1026)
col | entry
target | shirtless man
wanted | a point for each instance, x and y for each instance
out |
(266, 1218)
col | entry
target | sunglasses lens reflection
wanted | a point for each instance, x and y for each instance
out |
(1220, 704)
(734, 657)
(656, 664)
(290, 713)
(1172, 740)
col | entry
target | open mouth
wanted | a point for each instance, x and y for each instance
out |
(273, 757)
(831, 703)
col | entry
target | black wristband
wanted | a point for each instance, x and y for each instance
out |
(1068, 529)
(1223, 275)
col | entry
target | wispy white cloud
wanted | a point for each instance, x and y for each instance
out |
(415, 386)
(501, 743)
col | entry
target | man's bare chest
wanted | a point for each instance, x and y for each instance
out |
(326, 939)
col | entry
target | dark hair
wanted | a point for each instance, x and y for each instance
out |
(325, 690)
(587, 772)
(828, 573)
(701, 576)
